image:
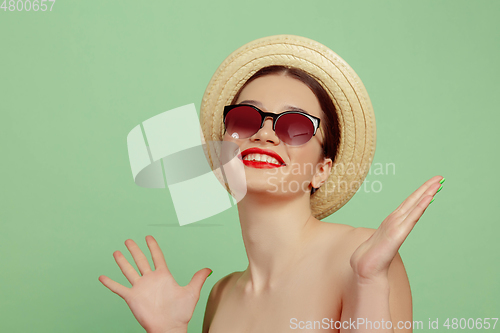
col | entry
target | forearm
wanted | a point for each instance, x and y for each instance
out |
(366, 307)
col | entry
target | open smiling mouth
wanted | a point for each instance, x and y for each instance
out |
(261, 161)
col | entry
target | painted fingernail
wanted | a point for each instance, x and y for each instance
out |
(439, 189)
(431, 201)
(210, 273)
(442, 180)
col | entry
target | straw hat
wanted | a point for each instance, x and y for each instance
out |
(355, 112)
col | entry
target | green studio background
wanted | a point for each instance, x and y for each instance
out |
(75, 80)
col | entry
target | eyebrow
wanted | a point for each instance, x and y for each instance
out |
(286, 108)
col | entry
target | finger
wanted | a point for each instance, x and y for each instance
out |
(114, 286)
(417, 194)
(127, 269)
(156, 253)
(198, 280)
(139, 257)
(431, 191)
(415, 214)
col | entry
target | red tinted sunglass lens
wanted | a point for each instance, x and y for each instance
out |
(294, 129)
(242, 122)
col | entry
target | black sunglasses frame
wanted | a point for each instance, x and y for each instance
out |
(275, 116)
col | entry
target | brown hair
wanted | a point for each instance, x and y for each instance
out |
(329, 121)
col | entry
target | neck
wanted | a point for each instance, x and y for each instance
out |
(274, 233)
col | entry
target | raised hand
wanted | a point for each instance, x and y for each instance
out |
(158, 303)
(372, 258)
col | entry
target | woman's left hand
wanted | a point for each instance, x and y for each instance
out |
(372, 258)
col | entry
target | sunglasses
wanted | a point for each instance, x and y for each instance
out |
(292, 127)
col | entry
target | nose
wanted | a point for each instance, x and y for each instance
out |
(266, 133)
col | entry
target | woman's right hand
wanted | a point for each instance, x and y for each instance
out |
(158, 303)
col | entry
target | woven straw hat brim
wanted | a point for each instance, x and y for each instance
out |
(355, 112)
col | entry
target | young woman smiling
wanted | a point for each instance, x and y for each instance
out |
(303, 273)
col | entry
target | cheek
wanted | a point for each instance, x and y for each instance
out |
(228, 138)
(305, 161)
(230, 143)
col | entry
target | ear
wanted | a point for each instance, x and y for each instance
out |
(323, 170)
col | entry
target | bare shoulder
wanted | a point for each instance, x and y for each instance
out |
(359, 235)
(344, 238)
(337, 243)
(220, 286)
(347, 240)
(216, 294)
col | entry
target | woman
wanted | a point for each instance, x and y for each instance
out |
(287, 108)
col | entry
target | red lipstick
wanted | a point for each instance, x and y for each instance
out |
(259, 164)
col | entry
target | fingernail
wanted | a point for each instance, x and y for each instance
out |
(210, 273)
(431, 201)
(442, 180)
(439, 189)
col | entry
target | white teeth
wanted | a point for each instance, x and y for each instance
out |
(261, 158)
